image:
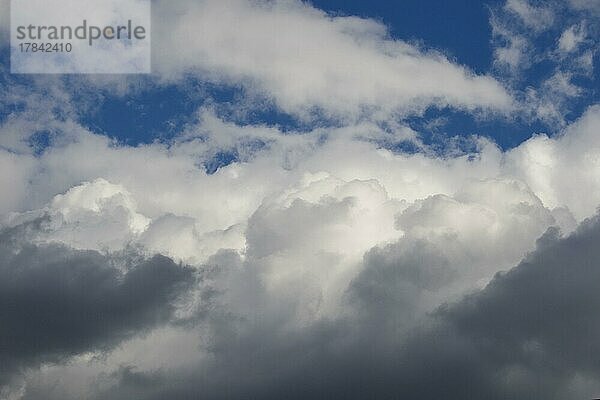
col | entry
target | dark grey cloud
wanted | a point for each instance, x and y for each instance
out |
(56, 302)
(531, 333)
(540, 319)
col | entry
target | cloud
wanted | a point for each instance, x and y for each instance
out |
(571, 38)
(57, 302)
(314, 273)
(558, 168)
(95, 215)
(550, 101)
(144, 194)
(586, 5)
(308, 61)
(535, 323)
(540, 50)
(515, 28)
(536, 18)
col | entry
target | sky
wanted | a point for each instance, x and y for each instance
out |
(309, 200)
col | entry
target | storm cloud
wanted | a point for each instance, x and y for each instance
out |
(57, 302)
(530, 333)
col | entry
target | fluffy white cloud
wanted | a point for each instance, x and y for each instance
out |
(173, 188)
(95, 215)
(309, 61)
(557, 169)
